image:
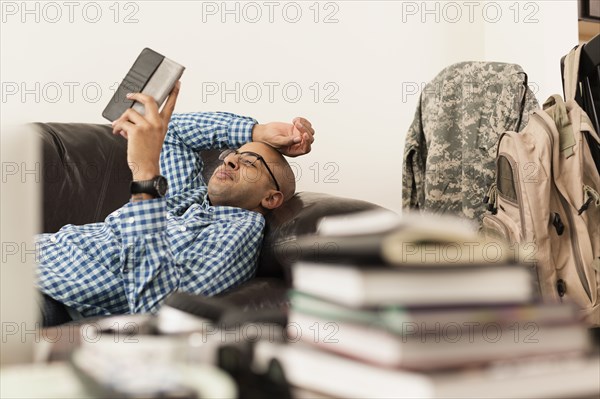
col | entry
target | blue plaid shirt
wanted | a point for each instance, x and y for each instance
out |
(146, 250)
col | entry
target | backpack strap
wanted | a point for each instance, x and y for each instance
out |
(586, 126)
(571, 72)
(557, 109)
(571, 84)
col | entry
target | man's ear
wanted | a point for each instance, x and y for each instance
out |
(273, 200)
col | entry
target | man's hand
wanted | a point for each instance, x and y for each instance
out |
(291, 139)
(146, 134)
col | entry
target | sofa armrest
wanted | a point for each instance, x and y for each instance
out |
(299, 216)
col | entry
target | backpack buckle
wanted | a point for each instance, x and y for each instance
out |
(558, 224)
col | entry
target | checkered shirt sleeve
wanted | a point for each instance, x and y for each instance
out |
(188, 134)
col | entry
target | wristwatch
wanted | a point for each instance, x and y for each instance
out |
(156, 187)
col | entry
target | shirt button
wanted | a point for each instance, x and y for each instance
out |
(182, 228)
(131, 220)
(53, 239)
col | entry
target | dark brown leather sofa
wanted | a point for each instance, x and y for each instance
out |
(86, 177)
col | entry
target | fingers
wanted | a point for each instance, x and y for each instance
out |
(307, 141)
(304, 147)
(150, 105)
(169, 107)
(303, 137)
(303, 125)
(284, 141)
(131, 116)
(306, 133)
(309, 137)
(122, 127)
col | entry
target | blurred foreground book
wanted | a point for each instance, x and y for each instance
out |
(381, 285)
(436, 338)
(422, 306)
(409, 240)
(336, 376)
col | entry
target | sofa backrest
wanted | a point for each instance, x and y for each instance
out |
(84, 172)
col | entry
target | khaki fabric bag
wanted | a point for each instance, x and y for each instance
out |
(546, 198)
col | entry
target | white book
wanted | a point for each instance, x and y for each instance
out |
(440, 346)
(333, 375)
(376, 286)
(383, 220)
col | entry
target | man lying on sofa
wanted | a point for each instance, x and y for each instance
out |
(200, 238)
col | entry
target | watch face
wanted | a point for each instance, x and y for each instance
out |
(161, 185)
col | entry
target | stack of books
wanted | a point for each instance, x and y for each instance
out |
(425, 307)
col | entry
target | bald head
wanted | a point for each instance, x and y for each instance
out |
(277, 164)
(249, 185)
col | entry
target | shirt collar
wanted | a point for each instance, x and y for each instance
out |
(221, 211)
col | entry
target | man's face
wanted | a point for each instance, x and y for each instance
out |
(242, 184)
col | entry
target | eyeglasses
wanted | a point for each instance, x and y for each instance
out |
(249, 158)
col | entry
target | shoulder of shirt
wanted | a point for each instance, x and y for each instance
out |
(240, 215)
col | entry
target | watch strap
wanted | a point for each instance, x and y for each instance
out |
(148, 187)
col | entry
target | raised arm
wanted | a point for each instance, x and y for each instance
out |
(190, 133)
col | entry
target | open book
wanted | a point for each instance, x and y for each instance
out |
(383, 237)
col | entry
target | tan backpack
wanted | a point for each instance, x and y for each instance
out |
(546, 197)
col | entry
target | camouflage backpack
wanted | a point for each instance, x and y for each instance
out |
(450, 150)
(547, 198)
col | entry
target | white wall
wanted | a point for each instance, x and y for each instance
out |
(545, 31)
(369, 58)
